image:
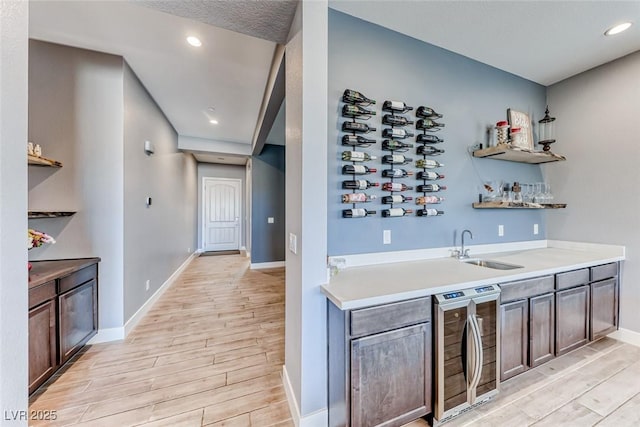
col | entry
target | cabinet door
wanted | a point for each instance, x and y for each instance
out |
(542, 335)
(604, 307)
(572, 319)
(78, 319)
(42, 343)
(391, 377)
(514, 336)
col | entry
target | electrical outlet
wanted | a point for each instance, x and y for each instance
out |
(535, 228)
(188, 250)
(293, 243)
(500, 230)
(386, 237)
(270, 220)
(146, 285)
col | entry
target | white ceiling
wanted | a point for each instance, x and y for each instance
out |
(228, 72)
(543, 41)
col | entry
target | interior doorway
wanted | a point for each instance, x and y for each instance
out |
(221, 214)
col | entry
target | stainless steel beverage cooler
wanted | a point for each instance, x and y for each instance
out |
(467, 349)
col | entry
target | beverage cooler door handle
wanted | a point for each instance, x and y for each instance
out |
(476, 351)
(472, 358)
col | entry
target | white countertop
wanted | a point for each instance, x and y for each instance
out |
(363, 286)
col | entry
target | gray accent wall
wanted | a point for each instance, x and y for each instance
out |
(267, 200)
(76, 113)
(386, 65)
(211, 170)
(157, 238)
(597, 113)
(14, 33)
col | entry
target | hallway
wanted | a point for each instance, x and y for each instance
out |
(209, 352)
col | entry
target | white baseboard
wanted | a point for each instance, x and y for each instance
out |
(316, 419)
(133, 320)
(626, 335)
(260, 265)
(108, 334)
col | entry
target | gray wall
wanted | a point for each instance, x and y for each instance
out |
(76, 113)
(267, 200)
(211, 170)
(14, 29)
(159, 238)
(597, 113)
(306, 211)
(384, 65)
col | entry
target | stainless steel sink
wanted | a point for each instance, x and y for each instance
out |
(496, 265)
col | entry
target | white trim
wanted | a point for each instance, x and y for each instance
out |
(261, 265)
(377, 258)
(318, 418)
(204, 207)
(120, 333)
(626, 335)
(107, 335)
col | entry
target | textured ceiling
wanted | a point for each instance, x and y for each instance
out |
(265, 19)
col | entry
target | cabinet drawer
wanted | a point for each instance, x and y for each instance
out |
(572, 278)
(42, 293)
(390, 316)
(526, 288)
(605, 271)
(78, 278)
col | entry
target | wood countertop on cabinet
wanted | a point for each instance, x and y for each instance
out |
(44, 271)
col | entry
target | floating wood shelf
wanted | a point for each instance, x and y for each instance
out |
(511, 205)
(43, 161)
(42, 214)
(506, 152)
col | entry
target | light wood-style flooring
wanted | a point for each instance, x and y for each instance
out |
(598, 384)
(209, 352)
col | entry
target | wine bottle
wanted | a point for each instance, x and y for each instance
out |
(396, 133)
(429, 212)
(429, 200)
(357, 127)
(396, 212)
(391, 120)
(358, 197)
(429, 150)
(428, 139)
(428, 124)
(357, 156)
(396, 173)
(395, 186)
(430, 188)
(428, 175)
(356, 111)
(427, 113)
(396, 106)
(428, 164)
(357, 141)
(396, 199)
(393, 145)
(357, 170)
(359, 184)
(356, 213)
(396, 159)
(354, 97)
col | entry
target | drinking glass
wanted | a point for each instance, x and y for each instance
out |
(537, 196)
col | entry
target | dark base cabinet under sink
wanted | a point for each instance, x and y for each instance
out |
(63, 313)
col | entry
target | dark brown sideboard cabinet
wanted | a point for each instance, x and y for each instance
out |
(63, 313)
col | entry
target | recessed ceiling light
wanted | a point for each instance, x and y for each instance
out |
(194, 41)
(213, 121)
(617, 29)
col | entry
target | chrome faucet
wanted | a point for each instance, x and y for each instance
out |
(464, 253)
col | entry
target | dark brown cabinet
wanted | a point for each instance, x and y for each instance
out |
(388, 377)
(63, 313)
(572, 319)
(514, 320)
(604, 300)
(380, 364)
(542, 335)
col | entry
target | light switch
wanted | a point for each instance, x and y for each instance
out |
(386, 237)
(501, 230)
(535, 228)
(270, 220)
(293, 243)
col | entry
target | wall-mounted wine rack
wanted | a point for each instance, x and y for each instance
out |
(427, 147)
(354, 108)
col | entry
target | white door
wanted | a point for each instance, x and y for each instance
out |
(221, 216)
